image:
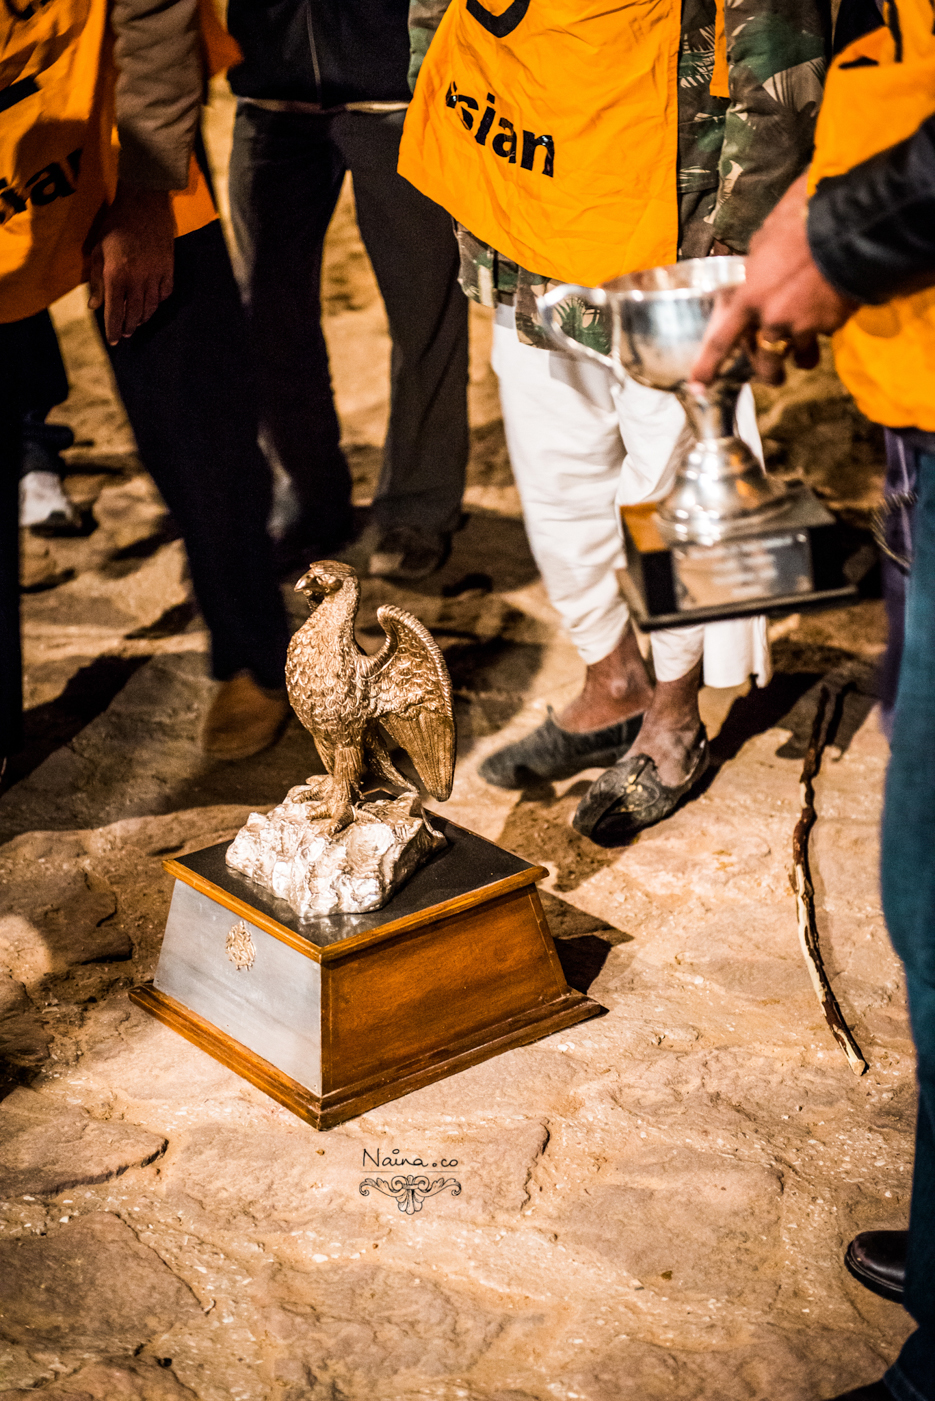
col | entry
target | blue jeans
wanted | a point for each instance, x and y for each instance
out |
(909, 906)
(899, 491)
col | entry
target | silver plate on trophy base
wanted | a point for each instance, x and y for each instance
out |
(798, 557)
(771, 562)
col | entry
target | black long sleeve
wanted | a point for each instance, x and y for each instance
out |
(872, 230)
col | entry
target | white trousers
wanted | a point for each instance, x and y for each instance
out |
(580, 445)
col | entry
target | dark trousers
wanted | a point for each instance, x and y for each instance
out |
(285, 178)
(909, 906)
(186, 382)
(11, 416)
(32, 381)
(45, 382)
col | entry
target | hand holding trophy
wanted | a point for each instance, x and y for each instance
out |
(727, 540)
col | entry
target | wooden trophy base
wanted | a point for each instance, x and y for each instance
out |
(335, 1015)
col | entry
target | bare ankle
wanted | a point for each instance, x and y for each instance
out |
(675, 703)
(597, 712)
(615, 689)
(670, 727)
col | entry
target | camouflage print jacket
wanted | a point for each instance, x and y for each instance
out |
(737, 156)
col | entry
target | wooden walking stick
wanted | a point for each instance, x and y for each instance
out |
(805, 894)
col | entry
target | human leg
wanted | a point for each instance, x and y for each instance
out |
(42, 498)
(565, 450)
(285, 178)
(566, 453)
(898, 503)
(566, 424)
(411, 245)
(185, 381)
(651, 424)
(908, 880)
(670, 753)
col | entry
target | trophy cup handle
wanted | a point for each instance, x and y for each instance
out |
(596, 296)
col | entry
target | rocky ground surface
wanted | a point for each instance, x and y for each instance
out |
(652, 1206)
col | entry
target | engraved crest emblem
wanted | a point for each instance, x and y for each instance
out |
(240, 948)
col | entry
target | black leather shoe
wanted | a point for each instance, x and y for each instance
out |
(549, 752)
(407, 553)
(878, 1260)
(876, 1391)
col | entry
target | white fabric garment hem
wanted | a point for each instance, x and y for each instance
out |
(581, 445)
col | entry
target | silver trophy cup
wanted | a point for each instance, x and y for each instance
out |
(727, 540)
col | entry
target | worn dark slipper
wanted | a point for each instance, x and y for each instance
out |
(631, 796)
(550, 752)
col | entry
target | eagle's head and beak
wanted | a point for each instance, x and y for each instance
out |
(322, 578)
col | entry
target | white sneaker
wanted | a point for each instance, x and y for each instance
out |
(43, 501)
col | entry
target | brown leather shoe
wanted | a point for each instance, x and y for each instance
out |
(244, 718)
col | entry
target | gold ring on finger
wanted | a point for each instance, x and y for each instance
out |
(778, 347)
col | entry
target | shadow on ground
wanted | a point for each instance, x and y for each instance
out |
(789, 703)
(87, 695)
(583, 942)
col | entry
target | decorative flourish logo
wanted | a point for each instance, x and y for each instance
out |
(410, 1192)
(240, 948)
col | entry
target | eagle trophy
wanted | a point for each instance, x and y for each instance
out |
(344, 697)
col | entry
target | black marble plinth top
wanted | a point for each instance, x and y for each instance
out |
(468, 863)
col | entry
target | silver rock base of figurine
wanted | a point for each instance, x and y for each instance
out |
(347, 872)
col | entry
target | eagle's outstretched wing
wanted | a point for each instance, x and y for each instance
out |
(410, 694)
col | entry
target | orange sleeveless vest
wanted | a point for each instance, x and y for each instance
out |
(57, 168)
(58, 151)
(884, 354)
(549, 128)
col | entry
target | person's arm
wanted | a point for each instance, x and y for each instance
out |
(158, 94)
(784, 301)
(424, 18)
(159, 89)
(865, 236)
(872, 230)
(777, 57)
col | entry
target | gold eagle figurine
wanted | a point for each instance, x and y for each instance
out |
(343, 696)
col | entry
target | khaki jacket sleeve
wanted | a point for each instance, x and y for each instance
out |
(424, 18)
(160, 84)
(777, 57)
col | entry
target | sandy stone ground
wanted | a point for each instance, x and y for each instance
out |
(652, 1206)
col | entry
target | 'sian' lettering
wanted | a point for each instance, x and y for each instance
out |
(45, 187)
(505, 140)
(49, 184)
